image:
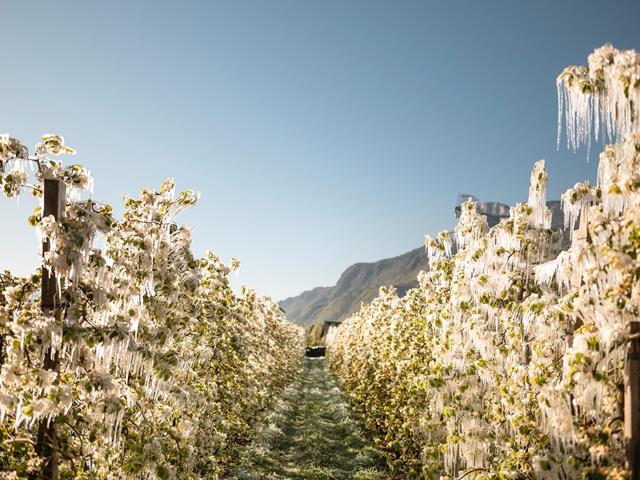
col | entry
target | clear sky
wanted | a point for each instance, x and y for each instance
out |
(320, 133)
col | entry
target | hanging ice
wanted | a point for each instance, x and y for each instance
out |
(603, 97)
(540, 215)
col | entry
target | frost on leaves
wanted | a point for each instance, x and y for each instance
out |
(162, 366)
(507, 360)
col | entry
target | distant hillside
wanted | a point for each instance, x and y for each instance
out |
(361, 282)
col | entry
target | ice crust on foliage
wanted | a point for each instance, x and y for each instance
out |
(540, 213)
(507, 360)
(156, 351)
(602, 98)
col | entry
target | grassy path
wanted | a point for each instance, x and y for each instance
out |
(311, 434)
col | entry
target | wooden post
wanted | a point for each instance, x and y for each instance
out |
(47, 442)
(54, 201)
(632, 402)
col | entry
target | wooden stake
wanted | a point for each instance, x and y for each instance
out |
(632, 402)
(54, 200)
(47, 443)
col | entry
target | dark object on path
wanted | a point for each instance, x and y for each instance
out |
(315, 352)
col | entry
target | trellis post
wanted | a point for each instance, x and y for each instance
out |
(632, 401)
(47, 443)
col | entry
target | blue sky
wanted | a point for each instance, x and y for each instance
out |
(319, 133)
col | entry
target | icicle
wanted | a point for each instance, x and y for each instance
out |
(541, 215)
(603, 96)
(575, 202)
(471, 225)
(545, 272)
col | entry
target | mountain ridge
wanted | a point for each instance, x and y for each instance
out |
(358, 283)
(361, 281)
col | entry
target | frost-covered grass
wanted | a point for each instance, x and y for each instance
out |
(311, 434)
